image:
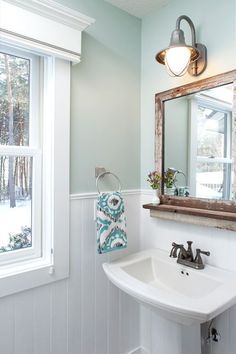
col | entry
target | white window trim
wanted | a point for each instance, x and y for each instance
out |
(56, 112)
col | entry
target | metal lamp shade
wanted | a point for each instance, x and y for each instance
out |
(178, 41)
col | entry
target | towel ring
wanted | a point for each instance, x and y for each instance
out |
(107, 173)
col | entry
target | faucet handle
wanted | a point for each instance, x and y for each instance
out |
(198, 258)
(207, 253)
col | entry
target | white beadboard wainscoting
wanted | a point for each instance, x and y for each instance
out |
(159, 336)
(84, 314)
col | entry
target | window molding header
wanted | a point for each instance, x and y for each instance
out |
(44, 25)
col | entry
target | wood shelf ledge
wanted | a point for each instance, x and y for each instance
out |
(213, 218)
(214, 214)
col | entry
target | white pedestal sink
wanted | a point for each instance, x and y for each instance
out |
(176, 292)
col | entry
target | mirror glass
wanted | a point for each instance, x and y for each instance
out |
(198, 143)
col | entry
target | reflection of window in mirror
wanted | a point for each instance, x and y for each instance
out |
(210, 158)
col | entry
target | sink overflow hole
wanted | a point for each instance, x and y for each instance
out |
(184, 272)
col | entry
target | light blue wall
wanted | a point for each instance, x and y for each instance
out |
(105, 118)
(105, 115)
(215, 23)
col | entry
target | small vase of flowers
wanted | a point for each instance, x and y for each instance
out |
(154, 179)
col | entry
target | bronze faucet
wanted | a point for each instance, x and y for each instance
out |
(185, 257)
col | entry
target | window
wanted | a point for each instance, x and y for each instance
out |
(34, 189)
(20, 156)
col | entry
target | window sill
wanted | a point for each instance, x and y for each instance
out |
(22, 267)
(28, 275)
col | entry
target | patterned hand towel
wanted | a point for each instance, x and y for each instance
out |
(111, 222)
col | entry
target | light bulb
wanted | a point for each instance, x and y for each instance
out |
(177, 60)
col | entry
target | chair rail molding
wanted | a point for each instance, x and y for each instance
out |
(94, 195)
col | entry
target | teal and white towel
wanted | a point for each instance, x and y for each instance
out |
(111, 222)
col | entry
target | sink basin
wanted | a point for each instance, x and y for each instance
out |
(176, 292)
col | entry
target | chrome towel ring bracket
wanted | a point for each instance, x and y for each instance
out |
(108, 173)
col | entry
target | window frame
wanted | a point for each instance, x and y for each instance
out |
(225, 108)
(54, 108)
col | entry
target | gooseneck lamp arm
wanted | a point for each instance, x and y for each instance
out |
(191, 25)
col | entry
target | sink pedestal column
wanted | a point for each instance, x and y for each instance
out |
(162, 336)
(191, 339)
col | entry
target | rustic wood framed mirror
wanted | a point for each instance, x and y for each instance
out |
(195, 136)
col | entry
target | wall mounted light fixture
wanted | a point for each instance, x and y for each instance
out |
(180, 57)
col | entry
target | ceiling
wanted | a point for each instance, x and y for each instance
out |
(138, 8)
